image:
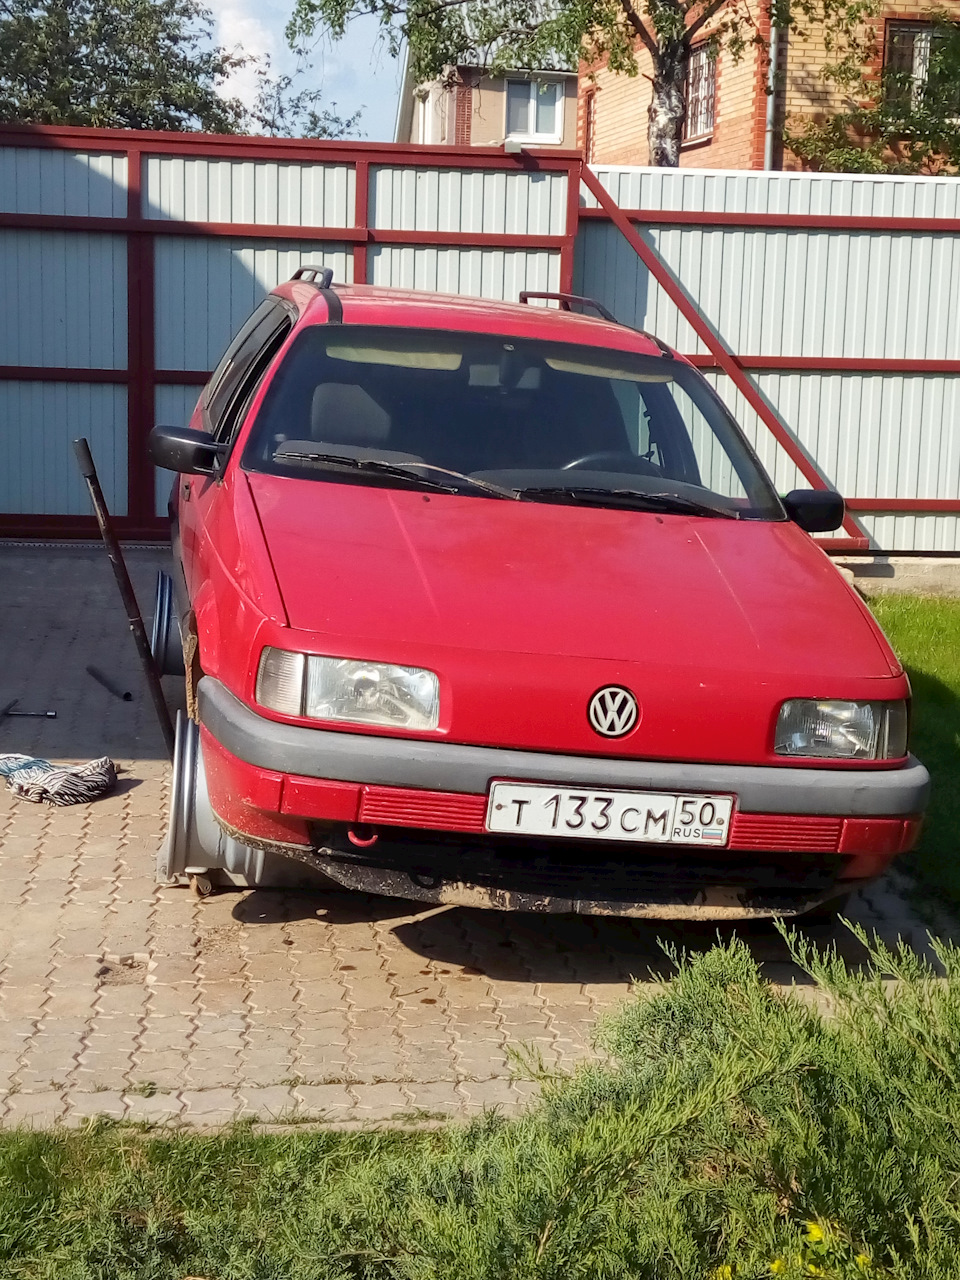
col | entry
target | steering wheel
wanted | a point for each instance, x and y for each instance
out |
(637, 465)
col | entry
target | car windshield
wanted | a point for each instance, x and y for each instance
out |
(496, 416)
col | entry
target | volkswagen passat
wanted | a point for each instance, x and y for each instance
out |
(494, 604)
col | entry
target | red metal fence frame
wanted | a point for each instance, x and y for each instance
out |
(141, 377)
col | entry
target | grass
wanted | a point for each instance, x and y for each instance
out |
(925, 632)
(732, 1134)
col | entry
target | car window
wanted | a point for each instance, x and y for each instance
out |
(246, 384)
(220, 390)
(519, 413)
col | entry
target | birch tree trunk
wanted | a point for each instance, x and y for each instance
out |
(667, 107)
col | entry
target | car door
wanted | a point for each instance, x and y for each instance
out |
(220, 412)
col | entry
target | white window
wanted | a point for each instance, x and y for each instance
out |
(534, 110)
(700, 93)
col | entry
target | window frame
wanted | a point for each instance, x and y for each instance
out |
(918, 82)
(590, 125)
(242, 368)
(533, 84)
(697, 52)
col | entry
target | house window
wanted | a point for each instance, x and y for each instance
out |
(700, 93)
(590, 126)
(534, 110)
(910, 47)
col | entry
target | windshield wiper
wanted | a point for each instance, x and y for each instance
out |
(404, 471)
(673, 502)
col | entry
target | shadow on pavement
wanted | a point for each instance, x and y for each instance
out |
(62, 612)
(530, 948)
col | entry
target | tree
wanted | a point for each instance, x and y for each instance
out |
(907, 120)
(500, 34)
(139, 64)
(282, 110)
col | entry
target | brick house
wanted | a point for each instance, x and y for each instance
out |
(469, 107)
(732, 121)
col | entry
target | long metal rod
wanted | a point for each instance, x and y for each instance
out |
(89, 472)
(769, 136)
(725, 358)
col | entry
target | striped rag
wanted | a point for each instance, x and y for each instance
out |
(40, 781)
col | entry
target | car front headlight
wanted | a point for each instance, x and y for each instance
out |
(837, 730)
(350, 689)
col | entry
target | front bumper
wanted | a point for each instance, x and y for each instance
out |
(406, 817)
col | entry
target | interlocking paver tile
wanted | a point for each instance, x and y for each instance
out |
(272, 1103)
(326, 1101)
(211, 1107)
(158, 1108)
(87, 1106)
(211, 1070)
(437, 1096)
(380, 1101)
(17, 1001)
(70, 1001)
(34, 1110)
(267, 1069)
(489, 1093)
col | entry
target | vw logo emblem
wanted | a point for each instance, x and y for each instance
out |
(613, 711)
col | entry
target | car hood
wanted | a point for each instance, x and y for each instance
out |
(382, 564)
(543, 603)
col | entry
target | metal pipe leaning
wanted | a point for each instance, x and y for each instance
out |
(89, 472)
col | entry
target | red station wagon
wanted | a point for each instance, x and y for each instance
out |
(493, 604)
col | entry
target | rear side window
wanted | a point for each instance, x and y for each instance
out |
(228, 384)
(245, 388)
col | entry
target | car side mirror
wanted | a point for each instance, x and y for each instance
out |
(184, 450)
(815, 510)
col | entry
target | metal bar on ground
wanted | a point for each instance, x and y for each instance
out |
(705, 332)
(89, 472)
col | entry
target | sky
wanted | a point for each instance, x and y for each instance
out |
(355, 72)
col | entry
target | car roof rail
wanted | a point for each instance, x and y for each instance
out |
(565, 299)
(322, 277)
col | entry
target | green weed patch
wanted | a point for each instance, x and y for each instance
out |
(925, 632)
(732, 1133)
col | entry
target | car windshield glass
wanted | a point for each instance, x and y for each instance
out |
(536, 417)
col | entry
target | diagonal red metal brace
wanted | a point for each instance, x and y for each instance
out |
(725, 358)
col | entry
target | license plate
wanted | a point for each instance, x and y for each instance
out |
(646, 817)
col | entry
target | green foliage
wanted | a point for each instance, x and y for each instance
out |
(731, 1132)
(896, 125)
(139, 64)
(923, 632)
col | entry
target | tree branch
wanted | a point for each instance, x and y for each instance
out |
(640, 27)
(705, 17)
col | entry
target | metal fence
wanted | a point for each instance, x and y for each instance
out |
(826, 309)
(128, 259)
(840, 296)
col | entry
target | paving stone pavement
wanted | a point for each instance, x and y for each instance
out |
(123, 999)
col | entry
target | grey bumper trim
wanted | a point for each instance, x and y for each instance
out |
(450, 766)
